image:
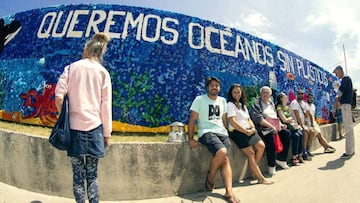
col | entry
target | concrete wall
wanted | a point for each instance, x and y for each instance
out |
(128, 171)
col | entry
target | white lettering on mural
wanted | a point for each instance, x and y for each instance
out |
(152, 28)
(200, 37)
(74, 21)
(296, 66)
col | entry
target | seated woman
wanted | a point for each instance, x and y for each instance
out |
(284, 113)
(262, 111)
(242, 131)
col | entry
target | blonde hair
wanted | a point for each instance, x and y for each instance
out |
(96, 46)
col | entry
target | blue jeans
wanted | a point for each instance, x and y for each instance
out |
(87, 143)
(297, 140)
(85, 168)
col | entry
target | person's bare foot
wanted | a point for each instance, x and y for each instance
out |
(265, 181)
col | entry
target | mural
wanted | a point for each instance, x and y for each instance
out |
(157, 60)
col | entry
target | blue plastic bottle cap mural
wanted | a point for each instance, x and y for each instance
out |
(157, 60)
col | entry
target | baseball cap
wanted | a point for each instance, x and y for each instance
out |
(338, 68)
(209, 79)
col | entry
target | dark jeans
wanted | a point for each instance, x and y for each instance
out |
(285, 136)
(297, 140)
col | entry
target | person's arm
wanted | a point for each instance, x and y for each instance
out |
(298, 119)
(61, 88)
(266, 124)
(256, 112)
(282, 117)
(193, 117)
(58, 103)
(106, 109)
(238, 127)
(224, 120)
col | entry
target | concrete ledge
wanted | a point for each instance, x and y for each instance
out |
(129, 171)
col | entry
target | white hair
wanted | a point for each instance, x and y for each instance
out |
(265, 88)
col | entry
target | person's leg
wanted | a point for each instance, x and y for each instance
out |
(226, 174)
(348, 128)
(79, 173)
(323, 142)
(91, 179)
(300, 146)
(295, 135)
(305, 139)
(340, 129)
(285, 136)
(270, 148)
(311, 134)
(259, 150)
(250, 154)
(214, 143)
(216, 162)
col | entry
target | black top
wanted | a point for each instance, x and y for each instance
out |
(346, 88)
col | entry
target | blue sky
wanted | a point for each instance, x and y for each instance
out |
(314, 29)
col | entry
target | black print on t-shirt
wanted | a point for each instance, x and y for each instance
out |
(214, 112)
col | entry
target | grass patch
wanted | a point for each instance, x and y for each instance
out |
(116, 136)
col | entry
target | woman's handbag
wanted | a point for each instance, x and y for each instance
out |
(60, 134)
(278, 145)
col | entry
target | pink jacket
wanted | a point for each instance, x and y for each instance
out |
(90, 95)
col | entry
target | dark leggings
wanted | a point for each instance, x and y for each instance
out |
(285, 136)
(85, 167)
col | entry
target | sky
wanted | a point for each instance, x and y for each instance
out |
(326, 32)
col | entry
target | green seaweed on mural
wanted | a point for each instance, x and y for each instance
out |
(156, 111)
(133, 101)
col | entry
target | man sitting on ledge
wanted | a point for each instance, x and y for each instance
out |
(210, 112)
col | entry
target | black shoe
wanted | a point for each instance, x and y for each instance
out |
(310, 154)
(306, 157)
(346, 156)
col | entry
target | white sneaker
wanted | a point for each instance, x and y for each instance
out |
(283, 164)
(272, 170)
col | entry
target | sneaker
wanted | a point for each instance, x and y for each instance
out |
(310, 154)
(283, 164)
(306, 157)
(346, 156)
(329, 150)
(272, 170)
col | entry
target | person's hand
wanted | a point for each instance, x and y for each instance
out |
(283, 126)
(251, 131)
(193, 143)
(290, 119)
(107, 142)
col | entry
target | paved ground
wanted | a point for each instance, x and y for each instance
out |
(325, 179)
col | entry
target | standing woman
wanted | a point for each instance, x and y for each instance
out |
(88, 86)
(242, 131)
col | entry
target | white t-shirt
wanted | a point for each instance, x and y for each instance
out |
(210, 114)
(269, 110)
(241, 116)
(312, 110)
(294, 105)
